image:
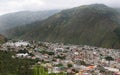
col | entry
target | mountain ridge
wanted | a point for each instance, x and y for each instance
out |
(21, 18)
(96, 25)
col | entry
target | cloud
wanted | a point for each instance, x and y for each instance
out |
(7, 6)
(19, 5)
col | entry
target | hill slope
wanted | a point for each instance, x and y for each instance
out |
(2, 39)
(95, 24)
(22, 18)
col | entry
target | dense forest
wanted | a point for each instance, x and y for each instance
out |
(14, 66)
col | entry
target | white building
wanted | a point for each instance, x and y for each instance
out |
(17, 44)
(22, 55)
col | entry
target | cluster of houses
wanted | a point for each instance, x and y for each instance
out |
(69, 59)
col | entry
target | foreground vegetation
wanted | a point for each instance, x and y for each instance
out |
(14, 66)
(17, 66)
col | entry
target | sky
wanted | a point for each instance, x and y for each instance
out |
(8, 6)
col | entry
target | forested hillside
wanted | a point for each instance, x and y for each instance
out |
(96, 25)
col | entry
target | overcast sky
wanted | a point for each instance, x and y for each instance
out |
(8, 6)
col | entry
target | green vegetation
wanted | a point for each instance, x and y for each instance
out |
(93, 25)
(69, 65)
(117, 32)
(60, 57)
(39, 70)
(23, 17)
(14, 66)
(109, 58)
(17, 66)
(2, 39)
(46, 52)
(58, 73)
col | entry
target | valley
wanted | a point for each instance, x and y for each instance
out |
(82, 40)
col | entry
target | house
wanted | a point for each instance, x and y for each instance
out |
(59, 49)
(22, 55)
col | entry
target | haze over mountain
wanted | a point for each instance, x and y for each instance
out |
(24, 17)
(96, 25)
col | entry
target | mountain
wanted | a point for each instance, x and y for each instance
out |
(2, 39)
(95, 25)
(24, 17)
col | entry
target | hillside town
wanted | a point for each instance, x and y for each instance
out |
(67, 59)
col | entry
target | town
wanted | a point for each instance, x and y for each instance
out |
(67, 59)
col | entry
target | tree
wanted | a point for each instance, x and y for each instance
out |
(109, 58)
(69, 65)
